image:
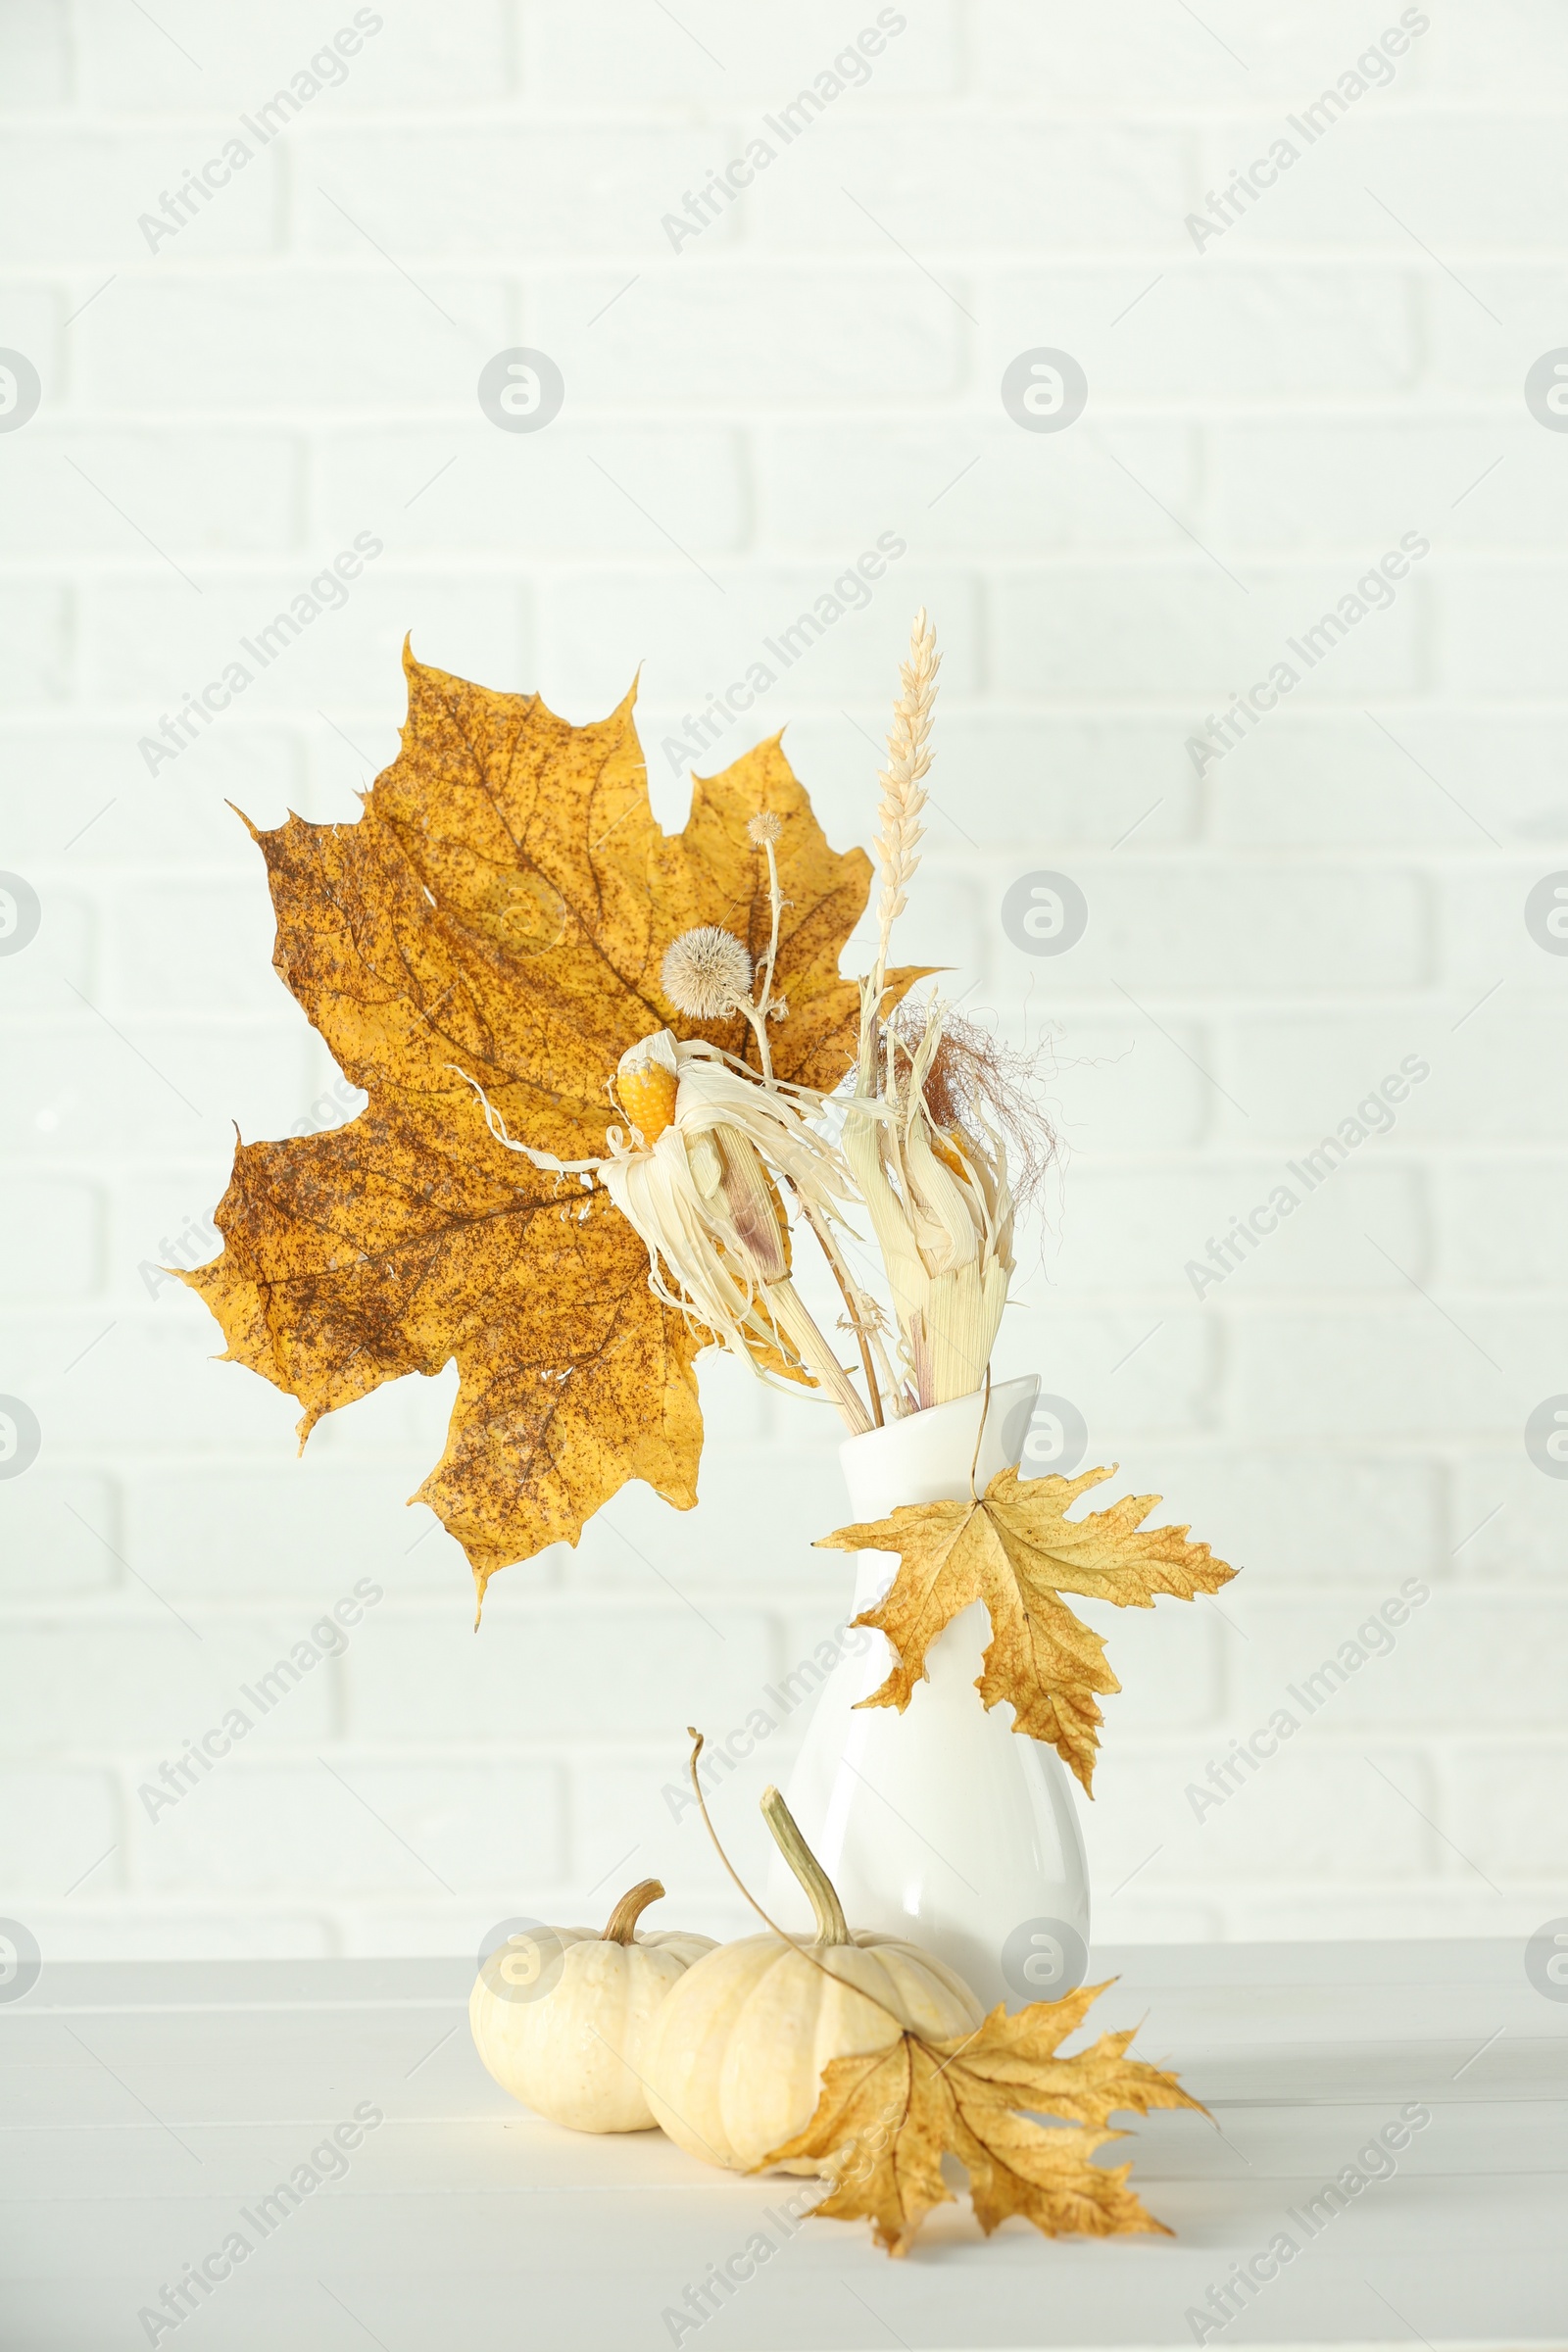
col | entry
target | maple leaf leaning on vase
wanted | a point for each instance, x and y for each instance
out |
(1014, 1548)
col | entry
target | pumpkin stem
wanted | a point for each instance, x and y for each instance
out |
(622, 1926)
(830, 1922)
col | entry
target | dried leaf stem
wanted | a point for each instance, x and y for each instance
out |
(979, 1434)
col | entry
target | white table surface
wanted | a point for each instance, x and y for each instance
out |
(144, 2106)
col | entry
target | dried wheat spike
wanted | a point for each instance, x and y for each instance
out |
(899, 830)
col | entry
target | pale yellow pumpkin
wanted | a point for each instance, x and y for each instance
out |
(736, 2059)
(562, 2018)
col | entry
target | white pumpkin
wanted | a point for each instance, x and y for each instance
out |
(735, 2065)
(562, 2018)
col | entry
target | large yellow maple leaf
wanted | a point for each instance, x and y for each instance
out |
(887, 2117)
(1016, 1548)
(503, 903)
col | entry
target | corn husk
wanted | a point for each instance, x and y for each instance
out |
(702, 1200)
(941, 1211)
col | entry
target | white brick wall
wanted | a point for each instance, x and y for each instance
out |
(1267, 417)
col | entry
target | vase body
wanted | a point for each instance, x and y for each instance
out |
(942, 1824)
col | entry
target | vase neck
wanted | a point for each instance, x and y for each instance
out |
(929, 1457)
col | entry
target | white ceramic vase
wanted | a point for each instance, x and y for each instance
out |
(941, 1823)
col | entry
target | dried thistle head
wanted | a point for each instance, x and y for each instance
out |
(977, 1089)
(764, 827)
(707, 972)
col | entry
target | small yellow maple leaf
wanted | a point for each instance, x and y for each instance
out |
(503, 905)
(887, 2117)
(1014, 1548)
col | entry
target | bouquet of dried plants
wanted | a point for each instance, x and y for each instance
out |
(501, 939)
(929, 1140)
(505, 937)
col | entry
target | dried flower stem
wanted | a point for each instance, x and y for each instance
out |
(854, 1300)
(775, 901)
(764, 833)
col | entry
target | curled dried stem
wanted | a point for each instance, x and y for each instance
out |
(806, 1950)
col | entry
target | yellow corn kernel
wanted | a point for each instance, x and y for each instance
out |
(951, 1157)
(648, 1097)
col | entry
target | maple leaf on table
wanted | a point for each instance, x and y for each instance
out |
(503, 903)
(887, 2117)
(1016, 1548)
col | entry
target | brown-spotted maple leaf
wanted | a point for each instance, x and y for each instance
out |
(503, 903)
(1016, 1548)
(887, 2117)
